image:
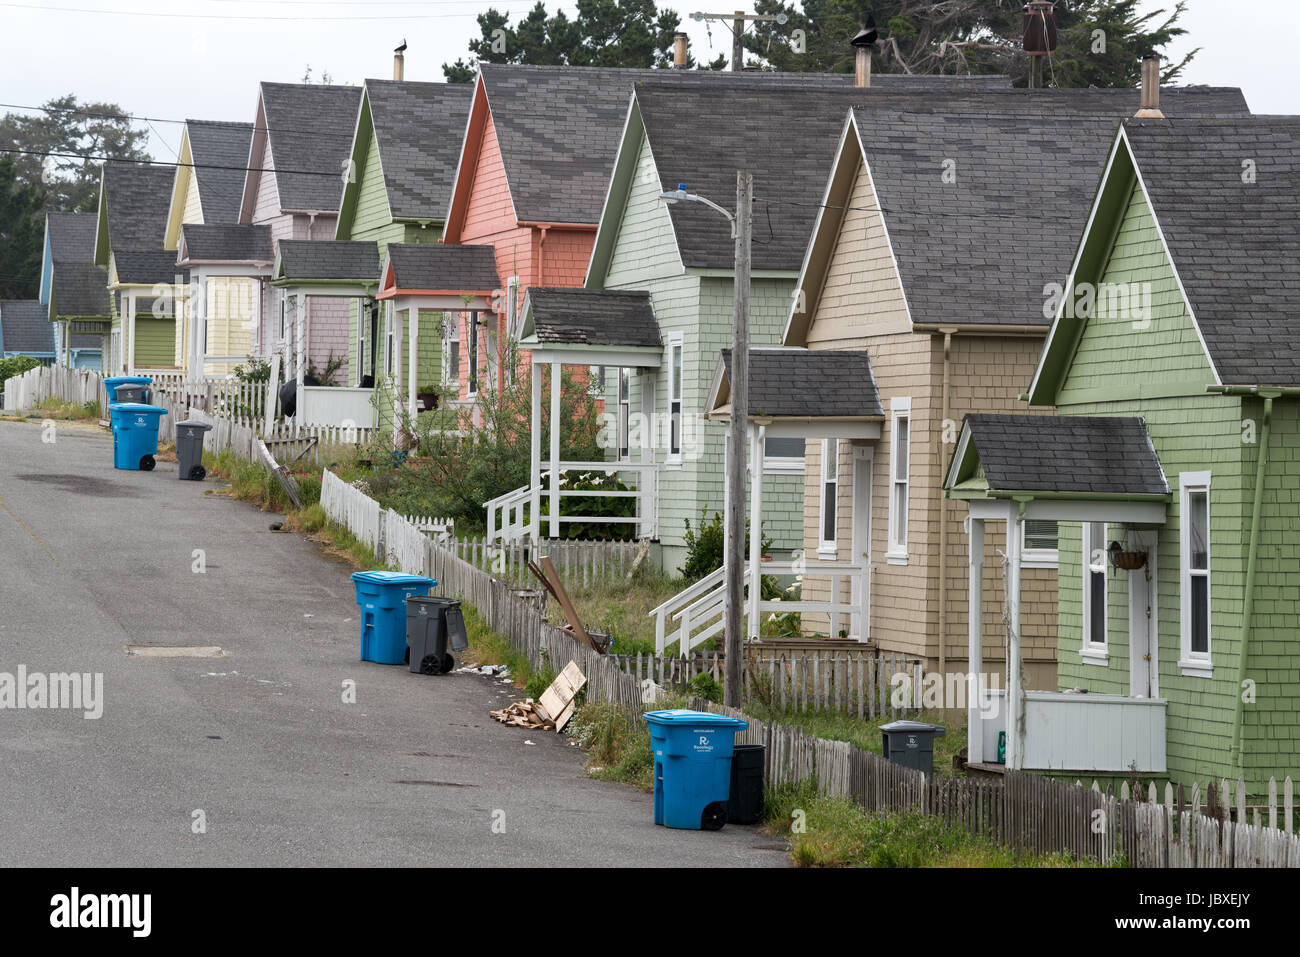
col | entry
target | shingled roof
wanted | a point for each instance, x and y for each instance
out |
(298, 259)
(242, 243)
(136, 267)
(1068, 453)
(79, 290)
(439, 267)
(806, 383)
(593, 317)
(1235, 244)
(558, 127)
(310, 126)
(136, 198)
(220, 154)
(419, 128)
(72, 237)
(24, 326)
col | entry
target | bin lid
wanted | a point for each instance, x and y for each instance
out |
(392, 578)
(431, 600)
(130, 408)
(194, 424)
(116, 380)
(683, 716)
(912, 727)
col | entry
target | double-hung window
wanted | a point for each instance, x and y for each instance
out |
(624, 411)
(899, 478)
(675, 351)
(1095, 592)
(1038, 547)
(829, 508)
(471, 331)
(1194, 572)
(450, 349)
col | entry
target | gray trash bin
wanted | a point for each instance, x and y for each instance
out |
(432, 623)
(910, 743)
(189, 449)
(130, 392)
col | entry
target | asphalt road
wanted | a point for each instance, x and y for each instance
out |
(260, 741)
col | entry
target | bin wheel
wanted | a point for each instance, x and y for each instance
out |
(714, 816)
(448, 664)
(430, 665)
(147, 463)
(198, 473)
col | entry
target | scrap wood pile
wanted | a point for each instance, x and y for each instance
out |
(556, 700)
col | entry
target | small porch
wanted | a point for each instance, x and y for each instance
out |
(148, 288)
(1102, 472)
(219, 325)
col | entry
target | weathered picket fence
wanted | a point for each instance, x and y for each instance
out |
(223, 396)
(581, 564)
(26, 391)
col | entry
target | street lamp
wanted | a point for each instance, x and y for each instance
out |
(734, 528)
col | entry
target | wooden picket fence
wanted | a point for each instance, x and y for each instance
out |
(216, 395)
(26, 391)
(581, 564)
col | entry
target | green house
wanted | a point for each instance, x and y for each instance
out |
(1174, 363)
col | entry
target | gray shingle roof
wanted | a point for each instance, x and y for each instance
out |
(80, 289)
(702, 135)
(137, 198)
(327, 259)
(1067, 453)
(435, 266)
(559, 127)
(827, 383)
(593, 317)
(220, 154)
(1235, 244)
(310, 127)
(154, 266)
(419, 128)
(243, 243)
(979, 251)
(25, 327)
(72, 237)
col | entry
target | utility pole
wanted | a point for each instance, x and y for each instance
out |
(734, 534)
(738, 21)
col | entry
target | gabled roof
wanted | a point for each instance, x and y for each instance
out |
(434, 267)
(590, 317)
(1099, 456)
(25, 327)
(219, 151)
(310, 129)
(152, 267)
(418, 128)
(977, 247)
(326, 260)
(133, 208)
(72, 237)
(803, 384)
(241, 243)
(79, 290)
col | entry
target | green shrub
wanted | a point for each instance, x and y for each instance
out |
(703, 686)
(705, 545)
(16, 365)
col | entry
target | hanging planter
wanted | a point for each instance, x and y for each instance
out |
(1128, 559)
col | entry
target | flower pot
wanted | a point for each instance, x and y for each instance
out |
(1130, 561)
(428, 400)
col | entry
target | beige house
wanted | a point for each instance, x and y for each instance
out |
(934, 253)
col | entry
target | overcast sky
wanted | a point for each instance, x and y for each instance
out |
(204, 58)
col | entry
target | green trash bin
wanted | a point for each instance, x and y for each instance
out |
(910, 743)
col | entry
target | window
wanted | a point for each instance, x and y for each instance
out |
(899, 468)
(829, 510)
(624, 410)
(783, 454)
(361, 337)
(1038, 543)
(512, 326)
(450, 349)
(284, 318)
(675, 398)
(471, 331)
(1095, 586)
(390, 340)
(1194, 534)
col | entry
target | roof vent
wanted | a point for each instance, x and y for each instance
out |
(1150, 109)
(865, 44)
(679, 50)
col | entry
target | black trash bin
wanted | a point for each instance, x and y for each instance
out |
(910, 743)
(745, 806)
(189, 449)
(428, 628)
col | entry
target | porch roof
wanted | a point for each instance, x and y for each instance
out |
(433, 268)
(225, 244)
(801, 384)
(81, 290)
(316, 262)
(150, 268)
(1067, 456)
(596, 319)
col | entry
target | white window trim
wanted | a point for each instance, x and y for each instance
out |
(1194, 664)
(1037, 557)
(363, 320)
(450, 337)
(782, 464)
(675, 340)
(623, 412)
(899, 408)
(472, 346)
(828, 548)
(1091, 652)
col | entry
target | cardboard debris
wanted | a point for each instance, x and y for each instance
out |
(556, 700)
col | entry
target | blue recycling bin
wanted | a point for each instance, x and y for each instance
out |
(112, 382)
(135, 435)
(381, 597)
(692, 752)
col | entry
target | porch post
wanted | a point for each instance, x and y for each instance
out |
(975, 643)
(535, 458)
(413, 338)
(555, 450)
(300, 348)
(1014, 694)
(396, 381)
(130, 334)
(756, 436)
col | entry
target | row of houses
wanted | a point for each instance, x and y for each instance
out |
(1021, 371)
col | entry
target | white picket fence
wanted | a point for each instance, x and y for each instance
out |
(350, 507)
(25, 392)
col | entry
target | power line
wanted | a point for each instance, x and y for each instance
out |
(239, 16)
(113, 159)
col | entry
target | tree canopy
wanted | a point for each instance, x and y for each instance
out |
(22, 230)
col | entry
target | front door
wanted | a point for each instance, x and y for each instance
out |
(1143, 625)
(860, 591)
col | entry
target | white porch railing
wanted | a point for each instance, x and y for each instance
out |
(698, 610)
(1066, 731)
(505, 516)
(335, 405)
(509, 520)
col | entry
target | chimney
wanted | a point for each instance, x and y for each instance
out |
(679, 50)
(865, 45)
(399, 62)
(1150, 89)
(1039, 37)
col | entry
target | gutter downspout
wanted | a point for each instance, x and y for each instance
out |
(541, 253)
(943, 520)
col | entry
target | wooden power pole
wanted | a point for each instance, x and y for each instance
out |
(738, 21)
(734, 533)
